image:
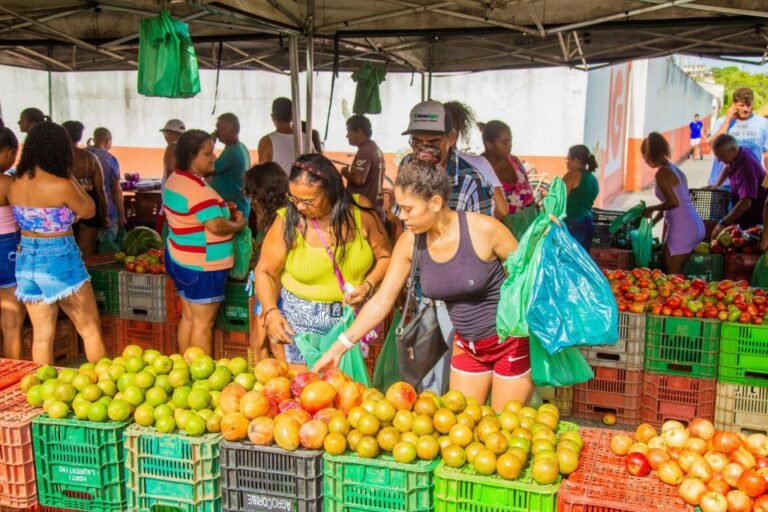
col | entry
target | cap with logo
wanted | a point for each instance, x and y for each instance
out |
(174, 125)
(429, 117)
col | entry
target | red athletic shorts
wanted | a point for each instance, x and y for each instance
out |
(509, 360)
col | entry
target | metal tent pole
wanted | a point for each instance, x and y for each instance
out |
(310, 70)
(293, 50)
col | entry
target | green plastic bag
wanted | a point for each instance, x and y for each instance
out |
(628, 216)
(642, 243)
(167, 60)
(313, 346)
(387, 370)
(243, 250)
(565, 368)
(760, 274)
(522, 265)
(518, 222)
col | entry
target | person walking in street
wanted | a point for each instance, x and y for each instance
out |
(366, 174)
(583, 189)
(228, 178)
(696, 127)
(685, 229)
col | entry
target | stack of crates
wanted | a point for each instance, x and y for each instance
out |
(742, 387)
(104, 280)
(18, 483)
(681, 362)
(617, 385)
(602, 238)
(739, 266)
(613, 259)
(230, 337)
(65, 342)
(147, 312)
(172, 471)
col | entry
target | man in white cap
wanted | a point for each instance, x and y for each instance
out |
(172, 130)
(432, 131)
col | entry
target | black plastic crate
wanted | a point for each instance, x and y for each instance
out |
(605, 216)
(270, 478)
(710, 204)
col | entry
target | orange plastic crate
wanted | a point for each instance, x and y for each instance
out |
(230, 344)
(13, 370)
(18, 482)
(612, 390)
(675, 397)
(109, 333)
(147, 335)
(172, 303)
(602, 484)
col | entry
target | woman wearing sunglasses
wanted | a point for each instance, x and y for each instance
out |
(326, 248)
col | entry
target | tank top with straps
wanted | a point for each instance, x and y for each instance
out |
(469, 285)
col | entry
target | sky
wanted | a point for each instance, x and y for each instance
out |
(717, 63)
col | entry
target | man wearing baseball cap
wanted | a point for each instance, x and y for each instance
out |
(431, 130)
(171, 131)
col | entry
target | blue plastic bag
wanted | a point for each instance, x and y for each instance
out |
(313, 346)
(571, 303)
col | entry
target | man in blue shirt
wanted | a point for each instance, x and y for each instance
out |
(696, 127)
(749, 130)
(229, 168)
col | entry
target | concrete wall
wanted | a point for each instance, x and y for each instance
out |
(663, 99)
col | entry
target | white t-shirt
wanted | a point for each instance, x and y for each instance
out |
(483, 166)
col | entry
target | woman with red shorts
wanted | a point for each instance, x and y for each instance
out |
(459, 257)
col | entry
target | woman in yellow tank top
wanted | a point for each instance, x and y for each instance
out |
(327, 247)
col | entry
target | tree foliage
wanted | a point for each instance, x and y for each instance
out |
(733, 78)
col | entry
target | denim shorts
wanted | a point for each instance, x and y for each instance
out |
(49, 269)
(9, 244)
(197, 286)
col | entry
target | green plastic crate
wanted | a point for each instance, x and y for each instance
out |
(354, 484)
(744, 354)
(682, 346)
(175, 471)
(104, 281)
(465, 490)
(705, 266)
(80, 464)
(233, 313)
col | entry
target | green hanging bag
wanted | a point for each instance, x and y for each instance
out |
(243, 250)
(313, 346)
(387, 370)
(760, 274)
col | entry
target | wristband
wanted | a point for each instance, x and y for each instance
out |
(345, 341)
(267, 312)
(370, 290)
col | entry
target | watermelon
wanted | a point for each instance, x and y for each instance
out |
(141, 239)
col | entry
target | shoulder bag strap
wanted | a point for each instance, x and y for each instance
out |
(409, 284)
(336, 269)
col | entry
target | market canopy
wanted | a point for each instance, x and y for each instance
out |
(408, 35)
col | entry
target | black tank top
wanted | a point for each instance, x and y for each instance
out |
(468, 285)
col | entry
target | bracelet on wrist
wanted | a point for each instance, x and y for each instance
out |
(370, 288)
(265, 314)
(345, 341)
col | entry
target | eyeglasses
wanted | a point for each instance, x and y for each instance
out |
(418, 143)
(306, 202)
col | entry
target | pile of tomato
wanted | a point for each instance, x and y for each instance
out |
(642, 290)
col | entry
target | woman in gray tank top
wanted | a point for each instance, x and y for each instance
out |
(460, 262)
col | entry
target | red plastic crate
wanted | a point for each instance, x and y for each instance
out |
(621, 259)
(109, 333)
(36, 508)
(13, 370)
(172, 303)
(612, 390)
(231, 344)
(18, 482)
(99, 259)
(147, 335)
(602, 484)
(674, 397)
(739, 266)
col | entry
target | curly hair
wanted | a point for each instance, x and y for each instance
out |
(463, 118)
(424, 178)
(188, 146)
(48, 147)
(267, 184)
